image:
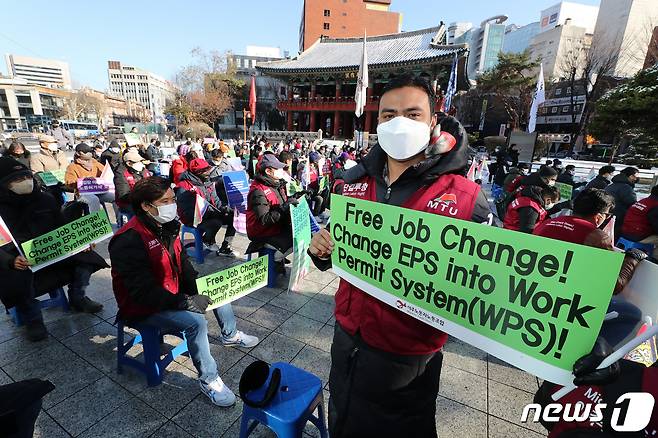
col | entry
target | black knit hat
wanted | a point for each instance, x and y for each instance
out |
(11, 169)
(547, 172)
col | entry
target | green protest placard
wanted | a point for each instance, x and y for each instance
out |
(233, 283)
(323, 183)
(300, 216)
(528, 300)
(52, 178)
(132, 139)
(566, 191)
(67, 240)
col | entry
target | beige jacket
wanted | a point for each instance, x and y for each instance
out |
(46, 161)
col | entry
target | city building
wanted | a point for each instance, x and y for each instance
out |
(625, 27)
(517, 39)
(141, 87)
(269, 91)
(321, 82)
(580, 15)
(21, 103)
(346, 19)
(485, 43)
(559, 49)
(652, 50)
(39, 71)
(456, 30)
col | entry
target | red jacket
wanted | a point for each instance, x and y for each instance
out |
(636, 222)
(512, 216)
(161, 266)
(178, 166)
(380, 325)
(566, 228)
(255, 228)
(130, 179)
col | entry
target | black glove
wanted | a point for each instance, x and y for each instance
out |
(300, 194)
(289, 202)
(585, 368)
(195, 303)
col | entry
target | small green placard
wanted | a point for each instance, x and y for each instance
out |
(566, 191)
(230, 284)
(52, 178)
(67, 240)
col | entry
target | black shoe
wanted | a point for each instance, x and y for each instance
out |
(226, 250)
(86, 305)
(280, 267)
(286, 261)
(36, 331)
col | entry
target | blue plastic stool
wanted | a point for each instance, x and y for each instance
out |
(151, 338)
(271, 268)
(300, 394)
(57, 298)
(198, 242)
(629, 244)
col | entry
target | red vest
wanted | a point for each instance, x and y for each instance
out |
(165, 273)
(130, 179)
(636, 223)
(566, 228)
(380, 325)
(255, 228)
(512, 216)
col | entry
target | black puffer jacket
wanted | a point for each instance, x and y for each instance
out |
(257, 202)
(624, 193)
(418, 176)
(598, 183)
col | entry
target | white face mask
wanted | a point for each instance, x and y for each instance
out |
(53, 147)
(282, 174)
(403, 138)
(139, 166)
(114, 150)
(24, 187)
(549, 205)
(551, 183)
(166, 213)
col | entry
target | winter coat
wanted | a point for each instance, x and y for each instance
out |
(122, 187)
(111, 157)
(46, 161)
(624, 193)
(63, 137)
(75, 171)
(187, 188)
(27, 217)
(24, 158)
(598, 183)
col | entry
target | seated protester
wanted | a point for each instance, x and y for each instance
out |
(641, 221)
(180, 164)
(286, 158)
(567, 177)
(29, 213)
(544, 177)
(17, 151)
(530, 208)
(196, 181)
(97, 151)
(319, 199)
(84, 166)
(268, 209)
(219, 160)
(154, 155)
(125, 178)
(49, 158)
(623, 190)
(112, 155)
(591, 210)
(515, 176)
(602, 180)
(557, 165)
(155, 283)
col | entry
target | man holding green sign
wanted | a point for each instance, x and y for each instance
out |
(386, 363)
(54, 249)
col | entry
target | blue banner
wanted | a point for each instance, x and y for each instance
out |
(236, 185)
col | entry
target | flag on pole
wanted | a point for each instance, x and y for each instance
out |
(452, 86)
(471, 172)
(252, 100)
(538, 99)
(362, 82)
(200, 207)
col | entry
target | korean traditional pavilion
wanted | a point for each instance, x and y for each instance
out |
(321, 81)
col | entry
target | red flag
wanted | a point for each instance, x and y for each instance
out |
(252, 99)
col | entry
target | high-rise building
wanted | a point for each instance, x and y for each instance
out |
(579, 14)
(652, 50)
(485, 43)
(560, 48)
(456, 30)
(39, 71)
(140, 86)
(346, 19)
(517, 39)
(625, 27)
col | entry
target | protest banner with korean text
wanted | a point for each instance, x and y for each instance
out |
(566, 191)
(52, 178)
(67, 240)
(94, 186)
(528, 300)
(300, 216)
(230, 284)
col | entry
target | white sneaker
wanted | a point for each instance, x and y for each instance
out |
(213, 248)
(318, 219)
(241, 339)
(325, 215)
(218, 393)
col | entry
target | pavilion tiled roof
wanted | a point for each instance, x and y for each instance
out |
(344, 54)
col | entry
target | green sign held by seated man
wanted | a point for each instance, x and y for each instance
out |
(230, 284)
(566, 191)
(67, 240)
(527, 300)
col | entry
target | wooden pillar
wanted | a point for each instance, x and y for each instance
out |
(368, 124)
(289, 121)
(338, 84)
(313, 121)
(336, 122)
(313, 90)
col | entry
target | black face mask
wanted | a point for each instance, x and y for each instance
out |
(605, 222)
